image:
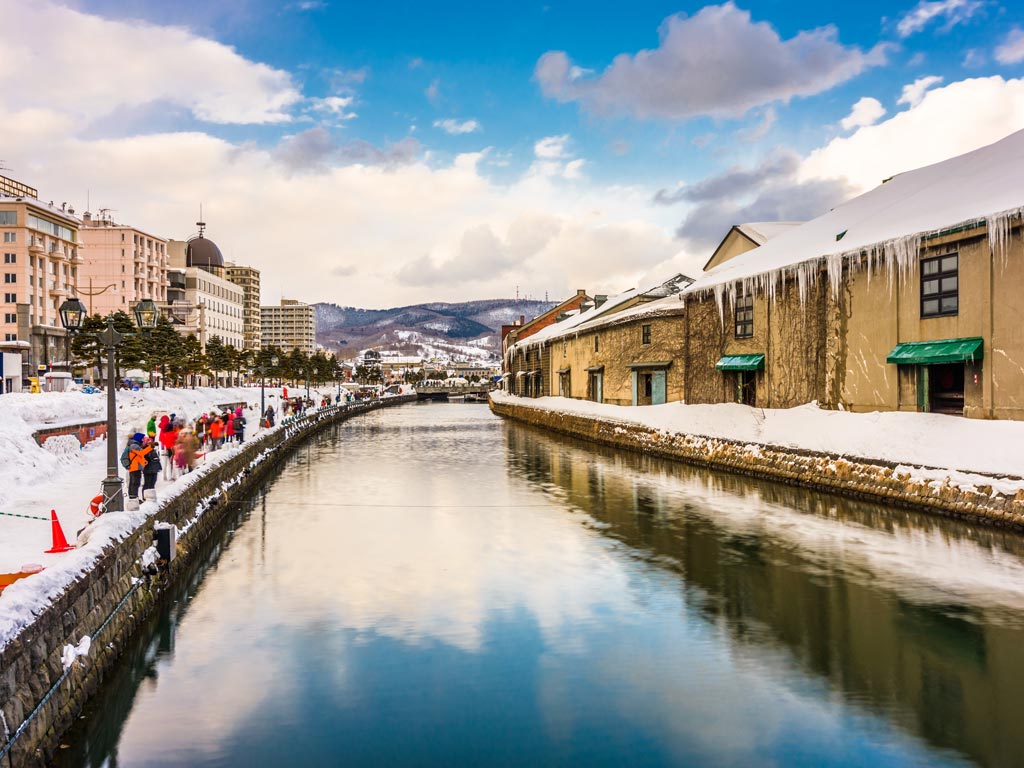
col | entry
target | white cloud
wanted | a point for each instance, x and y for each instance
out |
(574, 169)
(953, 11)
(456, 128)
(914, 93)
(552, 147)
(951, 120)
(363, 213)
(717, 62)
(1011, 50)
(759, 131)
(867, 111)
(335, 106)
(90, 67)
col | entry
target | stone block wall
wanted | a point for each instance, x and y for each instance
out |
(872, 481)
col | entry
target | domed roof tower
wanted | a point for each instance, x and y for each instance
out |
(203, 253)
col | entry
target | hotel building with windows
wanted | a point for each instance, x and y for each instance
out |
(120, 266)
(248, 279)
(212, 304)
(292, 325)
(39, 243)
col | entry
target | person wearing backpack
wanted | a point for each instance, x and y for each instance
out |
(133, 458)
(151, 470)
(238, 423)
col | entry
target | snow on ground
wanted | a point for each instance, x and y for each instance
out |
(61, 476)
(932, 446)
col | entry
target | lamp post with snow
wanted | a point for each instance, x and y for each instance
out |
(261, 369)
(72, 313)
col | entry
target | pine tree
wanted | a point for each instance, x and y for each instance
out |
(218, 357)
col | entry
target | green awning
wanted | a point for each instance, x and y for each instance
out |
(936, 352)
(741, 363)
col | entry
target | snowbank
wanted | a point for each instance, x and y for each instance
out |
(956, 447)
(62, 477)
(40, 479)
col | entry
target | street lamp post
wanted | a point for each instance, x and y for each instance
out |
(72, 313)
(261, 369)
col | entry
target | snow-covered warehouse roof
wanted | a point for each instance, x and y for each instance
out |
(986, 185)
(666, 294)
(762, 231)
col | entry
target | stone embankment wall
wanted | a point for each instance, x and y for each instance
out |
(872, 481)
(108, 602)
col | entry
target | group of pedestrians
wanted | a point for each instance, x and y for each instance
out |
(174, 444)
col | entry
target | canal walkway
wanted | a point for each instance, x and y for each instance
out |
(65, 628)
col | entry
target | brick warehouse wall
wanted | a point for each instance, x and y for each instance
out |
(877, 482)
(30, 663)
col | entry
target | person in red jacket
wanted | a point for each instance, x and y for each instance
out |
(168, 438)
(229, 427)
(216, 430)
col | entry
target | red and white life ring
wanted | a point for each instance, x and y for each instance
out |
(96, 505)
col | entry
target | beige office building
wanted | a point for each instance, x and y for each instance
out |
(248, 279)
(292, 325)
(39, 242)
(120, 265)
(212, 304)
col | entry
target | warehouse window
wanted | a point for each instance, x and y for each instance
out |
(744, 313)
(940, 286)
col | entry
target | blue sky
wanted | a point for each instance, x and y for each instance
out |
(636, 129)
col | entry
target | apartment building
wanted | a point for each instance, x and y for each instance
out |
(292, 325)
(120, 265)
(39, 243)
(248, 279)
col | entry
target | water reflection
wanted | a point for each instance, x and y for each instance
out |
(434, 586)
(915, 617)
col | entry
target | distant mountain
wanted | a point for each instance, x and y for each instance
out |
(468, 330)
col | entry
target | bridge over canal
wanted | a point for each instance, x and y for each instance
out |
(441, 391)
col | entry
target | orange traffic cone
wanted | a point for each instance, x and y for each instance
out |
(60, 544)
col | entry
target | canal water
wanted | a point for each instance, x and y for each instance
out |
(431, 585)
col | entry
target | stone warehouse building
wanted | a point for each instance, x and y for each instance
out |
(905, 298)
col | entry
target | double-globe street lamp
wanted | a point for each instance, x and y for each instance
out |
(72, 314)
